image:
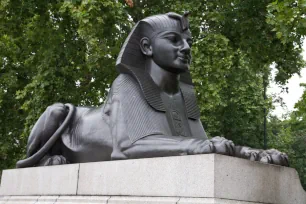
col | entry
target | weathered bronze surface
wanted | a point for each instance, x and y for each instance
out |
(151, 109)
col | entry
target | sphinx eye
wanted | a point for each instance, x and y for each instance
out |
(172, 38)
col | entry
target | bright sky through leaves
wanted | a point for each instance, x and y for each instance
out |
(295, 91)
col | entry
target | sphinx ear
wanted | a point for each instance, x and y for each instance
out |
(145, 46)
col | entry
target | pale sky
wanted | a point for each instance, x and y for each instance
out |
(294, 89)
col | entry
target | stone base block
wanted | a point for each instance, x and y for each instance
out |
(196, 179)
(113, 200)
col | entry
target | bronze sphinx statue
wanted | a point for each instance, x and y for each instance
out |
(150, 111)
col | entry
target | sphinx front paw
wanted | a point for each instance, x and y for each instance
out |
(53, 160)
(273, 156)
(223, 146)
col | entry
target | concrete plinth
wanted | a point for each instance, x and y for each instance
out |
(198, 179)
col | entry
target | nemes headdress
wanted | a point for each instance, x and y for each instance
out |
(132, 61)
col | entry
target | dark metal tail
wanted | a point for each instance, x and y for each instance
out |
(35, 158)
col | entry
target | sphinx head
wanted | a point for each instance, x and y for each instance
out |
(165, 39)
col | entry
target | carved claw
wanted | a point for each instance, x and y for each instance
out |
(271, 156)
(223, 146)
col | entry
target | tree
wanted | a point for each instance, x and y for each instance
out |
(290, 136)
(51, 52)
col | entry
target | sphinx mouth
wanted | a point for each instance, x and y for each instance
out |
(184, 59)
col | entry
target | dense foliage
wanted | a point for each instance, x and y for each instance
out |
(65, 51)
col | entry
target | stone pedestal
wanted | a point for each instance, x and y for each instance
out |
(198, 179)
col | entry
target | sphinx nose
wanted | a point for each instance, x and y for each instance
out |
(185, 48)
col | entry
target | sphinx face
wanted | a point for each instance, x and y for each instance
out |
(171, 50)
